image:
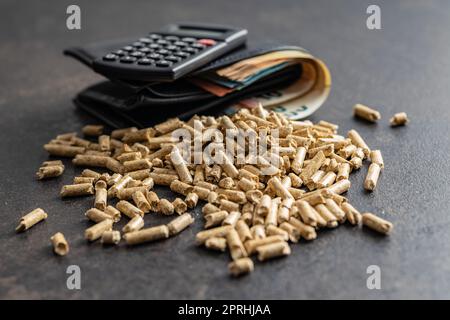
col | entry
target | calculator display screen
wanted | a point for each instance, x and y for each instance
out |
(203, 33)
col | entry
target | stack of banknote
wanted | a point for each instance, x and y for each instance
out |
(297, 100)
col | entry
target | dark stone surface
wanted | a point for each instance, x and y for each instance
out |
(403, 67)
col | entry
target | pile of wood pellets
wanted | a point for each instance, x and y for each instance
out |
(245, 211)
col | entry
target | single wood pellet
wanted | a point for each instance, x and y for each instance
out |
(50, 169)
(340, 187)
(96, 231)
(273, 250)
(97, 215)
(293, 232)
(113, 213)
(77, 190)
(141, 201)
(129, 192)
(343, 171)
(180, 166)
(101, 195)
(351, 214)
(306, 212)
(191, 200)
(129, 209)
(30, 219)
(166, 207)
(372, 177)
(241, 266)
(120, 133)
(307, 232)
(147, 235)
(216, 243)
(272, 230)
(135, 224)
(215, 218)
(376, 157)
(110, 237)
(91, 174)
(330, 219)
(179, 206)
(376, 223)
(399, 119)
(79, 180)
(366, 113)
(104, 143)
(356, 163)
(92, 130)
(334, 208)
(235, 245)
(60, 245)
(87, 160)
(358, 141)
(180, 223)
(63, 151)
(134, 165)
(243, 231)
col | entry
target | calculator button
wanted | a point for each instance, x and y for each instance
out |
(189, 40)
(163, 42)
(137, 54)
(128, 48)
(172, 58)
(145, 50)
(180, 43)
(172, 48)
(110, 57)
(127, 59)
(190, 50)
(163, 51)
(137, 44)
(146, 40)
(197, 46)
(154, 56)
(207, 42)
(163, 63)
(154, 46)
(181, 54)
(145, 61)
(172, 38)
(154, 36)
(119, 52)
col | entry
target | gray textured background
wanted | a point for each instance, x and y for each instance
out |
(403, 67)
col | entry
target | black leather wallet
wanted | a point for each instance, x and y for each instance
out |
(121, 103)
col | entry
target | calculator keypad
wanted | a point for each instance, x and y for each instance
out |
(158, 50)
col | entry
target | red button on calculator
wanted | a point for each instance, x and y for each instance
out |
(207, 42)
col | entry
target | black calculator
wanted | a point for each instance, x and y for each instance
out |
(170, 53)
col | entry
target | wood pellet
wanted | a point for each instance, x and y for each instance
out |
(30, 219)
(255, 208)
(135, 224)
(111, 237)
(50, 169)
(399, 119)
(366, 113)
(60, 245)
(147, 235)
(96, 231)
